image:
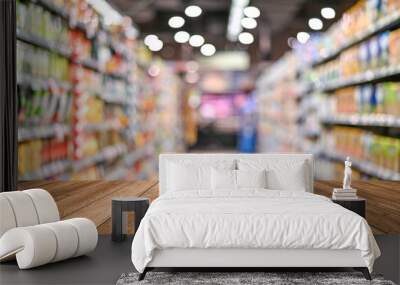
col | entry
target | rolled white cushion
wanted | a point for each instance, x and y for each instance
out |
(87, 235)
(7, 218)
(23, 208)
(46, 207)
(37, 245)
(33, 246)
(66, 238)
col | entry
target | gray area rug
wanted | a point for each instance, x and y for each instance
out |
(228, 278)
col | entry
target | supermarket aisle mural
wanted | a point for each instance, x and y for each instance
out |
(338, 95)
(92, 102)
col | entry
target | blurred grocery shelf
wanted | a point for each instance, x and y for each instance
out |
(42, 131)
(386, 23)
(107, 154)
(48, 170)
(87, 106)
(364, 78)
(373, 120)
(36, 83)
(38, 41)
(366, 167)
(338, 95)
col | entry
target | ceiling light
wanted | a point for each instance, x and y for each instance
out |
(252, 12)
(181, 37)
(176, 22)
(246, 38)
(149, 39)
(193, 11)
(207, 50)
(196, 41)
(156, 45)
(248, 23)
(303, 37)
(315, 24)
(328, 13)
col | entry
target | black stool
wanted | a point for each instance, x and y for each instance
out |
(120, 207)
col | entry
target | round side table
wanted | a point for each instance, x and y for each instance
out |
(120, 207)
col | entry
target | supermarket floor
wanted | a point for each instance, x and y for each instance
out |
(110, 260)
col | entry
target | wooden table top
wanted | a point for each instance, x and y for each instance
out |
(92, 199)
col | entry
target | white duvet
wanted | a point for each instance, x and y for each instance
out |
(250, 219)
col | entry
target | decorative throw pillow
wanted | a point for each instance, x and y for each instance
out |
(181, 177)
(188, 175)
(251, 178)
(292, 175)
(223, 179)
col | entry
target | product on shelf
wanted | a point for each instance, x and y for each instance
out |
(36, 20)
(394, 50)
(43, 107)
(381, 98)
(34, 154)
(41, 63)
(362, 18)
(82, 48)
(365, 146)
(375, 54)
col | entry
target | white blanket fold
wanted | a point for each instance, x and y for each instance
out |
(250, 219)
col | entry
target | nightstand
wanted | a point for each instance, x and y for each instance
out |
(357, 205)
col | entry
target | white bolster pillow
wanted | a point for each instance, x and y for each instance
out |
(37, 245)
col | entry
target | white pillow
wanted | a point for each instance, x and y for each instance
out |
(287, 174)
(223, 179)
(185, 174)
(181, 177)
(251, 178)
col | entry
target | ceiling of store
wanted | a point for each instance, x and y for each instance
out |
(279, 20)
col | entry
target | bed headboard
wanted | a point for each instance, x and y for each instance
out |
(164, 158)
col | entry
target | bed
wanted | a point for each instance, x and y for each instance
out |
(246, 211)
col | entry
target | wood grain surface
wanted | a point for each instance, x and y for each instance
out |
(92, 199)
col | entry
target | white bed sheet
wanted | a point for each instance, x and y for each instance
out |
(253, 218)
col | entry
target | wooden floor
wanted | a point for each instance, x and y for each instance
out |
(92, 199)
